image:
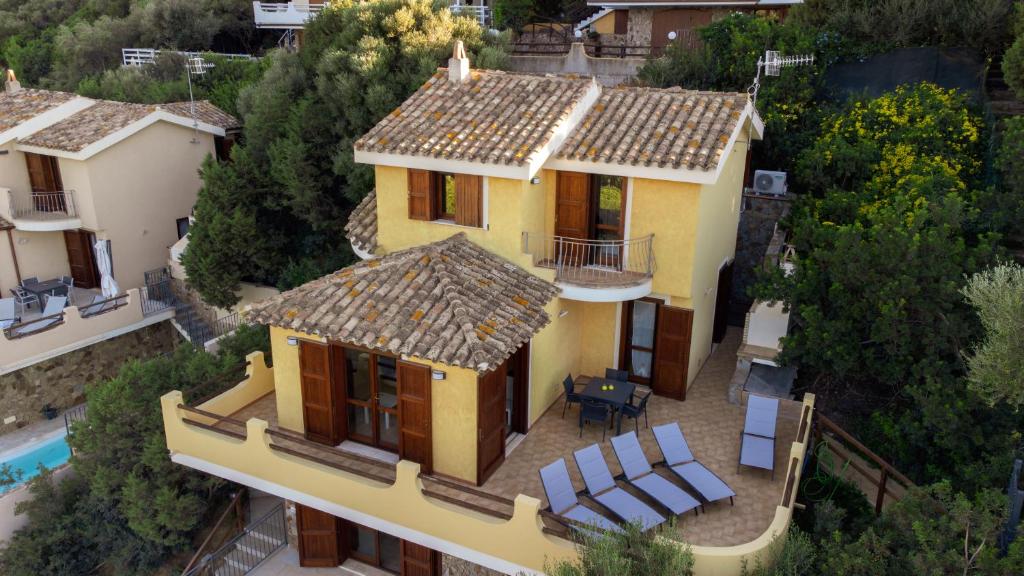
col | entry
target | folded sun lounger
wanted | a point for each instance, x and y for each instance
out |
(639, 473)
(680, 460)
(757, 441)
(563, 501)
(601, 487)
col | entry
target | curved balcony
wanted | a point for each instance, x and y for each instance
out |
(284, 15)
(595, 270)
(43, 211)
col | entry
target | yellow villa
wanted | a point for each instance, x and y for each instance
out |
(527, 235)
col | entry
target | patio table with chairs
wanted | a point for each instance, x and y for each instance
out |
(608, 398)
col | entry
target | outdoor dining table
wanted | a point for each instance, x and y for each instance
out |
(612, 392)
(48, 287)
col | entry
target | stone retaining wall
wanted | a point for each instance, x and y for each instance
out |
(757, 224)
(61, 381)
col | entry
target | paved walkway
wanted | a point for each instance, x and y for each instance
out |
(34, 432)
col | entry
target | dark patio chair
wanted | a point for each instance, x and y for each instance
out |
(634, 412)
(601, 487)
(680, 461)
(24, 298)
(563, 501)
(639, 473)
(571, 397)
(30, 281)
(618, 375)
(593, 411)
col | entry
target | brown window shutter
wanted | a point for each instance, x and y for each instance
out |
(318, 538)
(414, 427)
(421, 196)
(318, 402)
(469, 200)
(621, 21)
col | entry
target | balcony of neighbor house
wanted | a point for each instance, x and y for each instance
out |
(40, 211)
(285, 15)
(613, 270)
(236, 435)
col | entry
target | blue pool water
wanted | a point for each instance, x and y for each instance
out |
(50, 453)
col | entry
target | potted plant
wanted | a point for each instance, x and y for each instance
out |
(49, 412)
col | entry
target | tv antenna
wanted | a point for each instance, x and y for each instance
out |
(772, 64)
(195, 65)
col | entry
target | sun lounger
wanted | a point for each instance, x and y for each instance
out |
(54, 306)
(601, 487)
(95, 307)
(680, 460)
(757, 441)
(562, 498)
(639, 473)
(8, 316)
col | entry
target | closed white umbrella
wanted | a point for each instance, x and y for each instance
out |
(107, 283)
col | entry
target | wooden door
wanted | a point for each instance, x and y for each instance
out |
(490, 422)
(419, 560)
(683, 21)
(318, 401)
(722, 298)
(44, 179)
(319, 538)
(414, 423)
(672, 351)
(81, 259)
(572, 205)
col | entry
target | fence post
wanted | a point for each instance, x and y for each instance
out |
(881, 491)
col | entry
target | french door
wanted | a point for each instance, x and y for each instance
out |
(640, 319)
(655, 346)
(371, 398)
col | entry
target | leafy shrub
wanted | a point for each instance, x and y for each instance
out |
(790, 554)
(1013, 67)
(631, 552)
(996, 366)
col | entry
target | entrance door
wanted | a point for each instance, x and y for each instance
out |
(371, 397)
(517, 390)
(491, 393)
(81, 258)
(389, 553)
(319, 538)
(672, 345)
(639, 318)
(722, 303)
(318, 397)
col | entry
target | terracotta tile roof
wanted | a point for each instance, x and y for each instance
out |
(671, 128)
(205, 112)
(493, 117)
(28, 103)
(76, 132)
(361, 229)
(451, 302)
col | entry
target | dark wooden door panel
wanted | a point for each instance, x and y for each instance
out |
(491, 422)
(318, 401)
(721, 322)
(421, 195)
(672, 351)
(572, 205)
(414, 422)
(81, 259)
(318, 538)
(469, 200)
(43, 173)
(419, 560)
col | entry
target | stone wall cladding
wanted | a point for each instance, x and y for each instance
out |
(289, 520)
(638, 27)
(757, 224)
(454, 566)
(61, 381)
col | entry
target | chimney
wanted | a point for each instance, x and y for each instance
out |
(458, 64)
(12, 82)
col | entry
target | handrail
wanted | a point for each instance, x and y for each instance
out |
(330, 464)
(832, 426)
(468, 490)
(790, 483)
(58, 204)
(16, 330)
(298, 438)
(462, 503)
(212, 428)
(100, 307)
(232, 505)
(213, 415)
(593, 262)
(273, 535)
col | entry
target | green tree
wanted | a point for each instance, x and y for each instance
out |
(997, 365)
(631, 552)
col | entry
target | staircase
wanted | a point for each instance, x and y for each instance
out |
(240, 555)
(1002, 100)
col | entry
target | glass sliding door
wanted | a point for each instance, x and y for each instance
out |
(640, 321)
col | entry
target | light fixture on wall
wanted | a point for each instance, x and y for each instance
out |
(293, 341)
(438, 375)
(563, 313)
(535, 180)
(672, 35)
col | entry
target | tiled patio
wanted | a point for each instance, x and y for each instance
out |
(711, 426)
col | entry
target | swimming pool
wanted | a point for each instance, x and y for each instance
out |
(50, 452)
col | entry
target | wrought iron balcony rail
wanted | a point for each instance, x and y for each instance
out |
(43, 205)
(593, 263)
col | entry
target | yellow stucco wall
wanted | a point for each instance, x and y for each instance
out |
(669, 210)
(605, 24)
(598, 344)
(40, 254)
(287, 385)
(554, 353)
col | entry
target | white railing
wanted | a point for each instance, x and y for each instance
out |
(145, 56)
(42, 206)
(596, 263)
(481, 14)
(284, 14)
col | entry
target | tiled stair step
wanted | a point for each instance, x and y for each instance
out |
(261, 536)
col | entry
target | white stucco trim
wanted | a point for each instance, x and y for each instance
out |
(363, 254)
(48, 118)
(618, 336)
(115, 137)
(30, 225)
(356, 516)
(586, 294)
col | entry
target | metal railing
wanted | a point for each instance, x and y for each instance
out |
(73, 415)
(283, 14)
(157, 297)
(482, 14)
(43, 205)
(252, 546)
(593, 262)
(145, 56)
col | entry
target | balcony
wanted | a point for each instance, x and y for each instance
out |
(595, 270)
(284, 15)
(42, 211)
(236, 436)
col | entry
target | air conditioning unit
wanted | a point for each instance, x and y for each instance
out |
(769, 183)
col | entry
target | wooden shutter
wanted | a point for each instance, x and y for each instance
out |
(572, 205)
(621, 21)
(421, 195)
(469, 200)
(43, 173)
(672, 351)
(317, 395)
(81, 260)
(319, 538)
(419, 560)
(491, 422)
(414, 437)
(339, 385)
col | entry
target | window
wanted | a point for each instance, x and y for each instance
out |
(456, 198)
(183, 225)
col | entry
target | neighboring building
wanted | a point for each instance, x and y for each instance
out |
(73, 171)
(523, 228)
(650, 22)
